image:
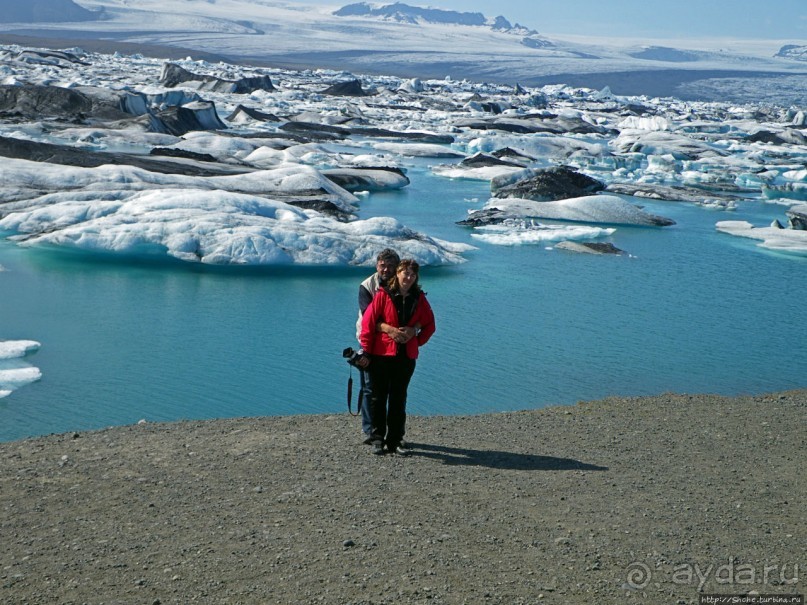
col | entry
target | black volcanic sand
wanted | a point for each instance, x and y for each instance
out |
(625, 500)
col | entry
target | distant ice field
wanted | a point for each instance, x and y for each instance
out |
(300, 36)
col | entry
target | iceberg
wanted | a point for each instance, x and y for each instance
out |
(13, 349)
(791, 241)
(15, 372)
(516, 233)
(216, 227)
(286, 181)
(601, 209)
(424, 150)
(367, 179)
(481, 173)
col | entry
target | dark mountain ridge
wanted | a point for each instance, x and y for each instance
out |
(405, 13)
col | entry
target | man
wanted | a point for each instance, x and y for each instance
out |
(386, 263)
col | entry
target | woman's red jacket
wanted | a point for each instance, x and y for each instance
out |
(383, 309)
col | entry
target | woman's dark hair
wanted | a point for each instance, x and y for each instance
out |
(407, 263)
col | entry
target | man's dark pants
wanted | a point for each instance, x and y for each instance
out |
(365, 394)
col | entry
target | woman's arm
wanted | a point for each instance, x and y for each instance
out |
(425, 318)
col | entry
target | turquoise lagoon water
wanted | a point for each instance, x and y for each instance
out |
(691, 310)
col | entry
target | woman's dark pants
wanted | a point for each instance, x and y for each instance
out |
(390, 377)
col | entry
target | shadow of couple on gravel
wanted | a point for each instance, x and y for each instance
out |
(500, 460)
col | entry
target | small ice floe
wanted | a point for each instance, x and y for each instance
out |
(644, 123)
(515, 232)
(676, 193)
(12, 349)
(482, 173)
(718, 204)
(15, 372)
(597, 248)
(660, 143)
(791, 241)
(422, 150)
(367, 179)
(480, 166)
(601, 209)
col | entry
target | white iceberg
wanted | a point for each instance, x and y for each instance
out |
(660, 142)
(367, 179)
(517, 233)
(482, 173)
(601, 209)
(792, 241)
(27, 179)
(423, 150)
(12, 349)
(217, 227)
(15, 372)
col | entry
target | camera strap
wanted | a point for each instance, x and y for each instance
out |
(350, 396)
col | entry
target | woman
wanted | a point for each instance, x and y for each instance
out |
(394, 326)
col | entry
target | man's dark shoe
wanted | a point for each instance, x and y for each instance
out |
(401, 451)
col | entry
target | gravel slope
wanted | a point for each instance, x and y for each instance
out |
(563, 505)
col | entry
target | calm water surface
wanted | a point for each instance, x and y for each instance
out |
(692, 310)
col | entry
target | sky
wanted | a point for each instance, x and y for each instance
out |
(756, 19)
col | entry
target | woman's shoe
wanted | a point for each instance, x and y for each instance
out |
(401, 451)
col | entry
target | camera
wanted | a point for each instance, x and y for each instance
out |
(352, 357)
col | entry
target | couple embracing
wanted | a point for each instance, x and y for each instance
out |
(395, 320)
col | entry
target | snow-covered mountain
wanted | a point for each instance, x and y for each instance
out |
(405, 13)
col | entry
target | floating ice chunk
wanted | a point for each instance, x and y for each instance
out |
(604, 209)
(483, 173)
(538, 146)
(219, 227)
(11, 349)
(412, 86)
(796, 175)
(792, 241)
(216, 144)
(367, 179)
(12, 378)
(15, 372)
(516, 233)
(641, 123)
(266, 157)
(425, 150)
(286, 179)
(657, 142)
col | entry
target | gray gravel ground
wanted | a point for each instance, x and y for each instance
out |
(625, 500)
